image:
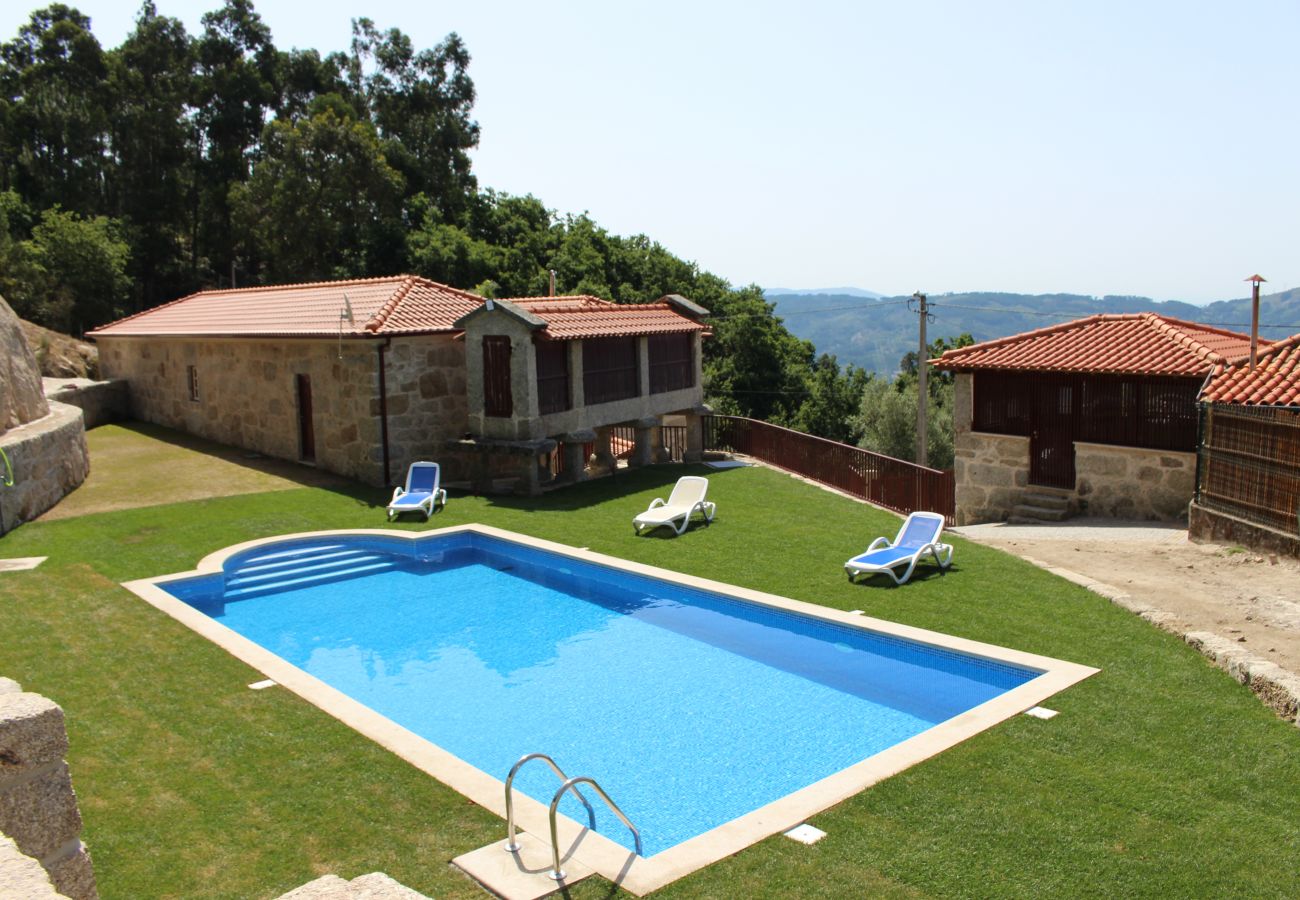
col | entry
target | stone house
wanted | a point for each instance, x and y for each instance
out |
(1248, 476)
(363, 377)
(1096, 416)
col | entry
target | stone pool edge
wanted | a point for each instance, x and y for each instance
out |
(639, 875)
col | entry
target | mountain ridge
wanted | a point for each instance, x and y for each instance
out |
(875, 334)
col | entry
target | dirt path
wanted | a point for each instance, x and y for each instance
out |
(1240, 595)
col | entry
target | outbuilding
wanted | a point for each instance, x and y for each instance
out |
(1096, 416)
(363, 377)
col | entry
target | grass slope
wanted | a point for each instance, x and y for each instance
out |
(1161, 777)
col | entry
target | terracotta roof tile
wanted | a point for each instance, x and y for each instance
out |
(401, 304)
(571, 318)
(1275, 380)
(1131, 344)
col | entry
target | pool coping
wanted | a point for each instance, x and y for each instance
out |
(639, 875)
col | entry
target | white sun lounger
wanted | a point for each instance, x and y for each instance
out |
(918, 536)
(421, 494)
(686, 498)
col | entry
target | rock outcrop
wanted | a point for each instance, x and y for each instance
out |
(22, 399)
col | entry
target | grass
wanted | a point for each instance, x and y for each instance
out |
(1161, 777)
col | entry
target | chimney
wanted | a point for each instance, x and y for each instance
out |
(552, 293)
(1255, 281)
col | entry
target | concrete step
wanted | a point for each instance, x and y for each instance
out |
(1025, 513)
(1046, 501)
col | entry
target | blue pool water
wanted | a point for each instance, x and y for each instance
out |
(688, 707)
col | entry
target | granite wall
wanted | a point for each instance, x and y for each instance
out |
(247, 395)
(1133, 482)
(38, 807)
(48, 459)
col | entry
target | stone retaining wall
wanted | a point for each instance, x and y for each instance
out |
(38, 808)
(1133, 482)
(49, 459)
(100, 402)
(1212, 526)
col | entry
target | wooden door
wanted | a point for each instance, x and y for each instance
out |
(498, 397)
(1051, 440)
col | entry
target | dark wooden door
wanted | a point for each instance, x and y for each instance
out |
(1051, 441)
(306, 432)
(498, 397)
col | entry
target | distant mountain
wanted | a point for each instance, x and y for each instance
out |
(875, 333)
(822, 292)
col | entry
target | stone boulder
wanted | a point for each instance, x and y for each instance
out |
(22, 398)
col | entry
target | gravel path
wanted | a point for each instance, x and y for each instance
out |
(1249, 602)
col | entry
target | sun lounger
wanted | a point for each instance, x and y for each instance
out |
(686, 498)
(918, 537)
(421, 493)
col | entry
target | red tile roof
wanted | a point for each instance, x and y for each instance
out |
(401, 304)
(571, 318)
(1275, 380)
(1131, 344)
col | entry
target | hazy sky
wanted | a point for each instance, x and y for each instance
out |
(1092, 147)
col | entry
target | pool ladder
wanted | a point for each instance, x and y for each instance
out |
(569, 784)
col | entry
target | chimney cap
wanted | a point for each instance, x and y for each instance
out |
(1255, 278)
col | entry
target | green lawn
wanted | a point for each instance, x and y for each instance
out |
(1161, 777)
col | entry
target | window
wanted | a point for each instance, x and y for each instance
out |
(192, 375)
(498, 398)
(610, 370)
(552, 376)
(672, 362)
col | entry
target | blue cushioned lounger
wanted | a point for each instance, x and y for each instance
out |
(918, 536)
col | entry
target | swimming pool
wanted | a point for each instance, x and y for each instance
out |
(697, 706)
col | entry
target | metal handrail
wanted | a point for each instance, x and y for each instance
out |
(512, 846)
(557, 873)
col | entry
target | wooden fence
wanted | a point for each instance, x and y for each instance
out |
(1249, 464)
(892, 483)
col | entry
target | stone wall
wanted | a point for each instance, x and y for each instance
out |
(1133, 482)
(38, 808)
(248, 395)
(991, 472)
(1212, 526)
(427, 407)
(100, 402)
(49, 459)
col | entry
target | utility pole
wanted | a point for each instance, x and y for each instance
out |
(1255, 281)
(922, 309)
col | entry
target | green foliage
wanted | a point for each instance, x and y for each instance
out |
(831, 408)
(55, 114)
(150, 83)
(322, 202)
(887, 417)
(71, 268)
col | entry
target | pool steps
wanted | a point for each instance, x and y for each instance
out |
(302, 566)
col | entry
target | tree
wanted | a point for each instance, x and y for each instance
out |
(234, 88)
(754, 367)
(831, 408)
(151, 79)
(888, 414)
(76, 271)
(322, 202)
(420, 103)
(55, 112)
